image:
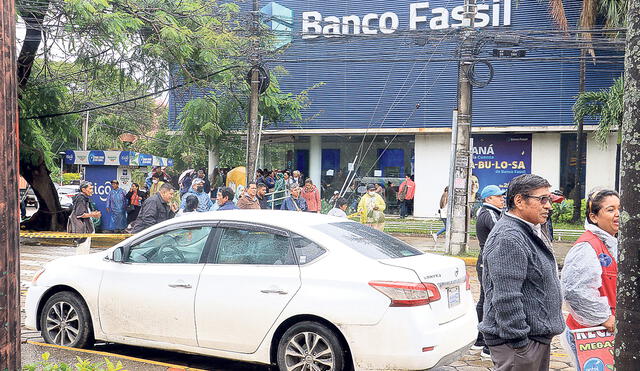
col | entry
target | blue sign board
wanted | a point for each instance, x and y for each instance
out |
(101, 177)
(498, 158)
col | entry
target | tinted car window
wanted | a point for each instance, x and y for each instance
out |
(240, 246)
(368, 241)
(306, 251)
(184, 245)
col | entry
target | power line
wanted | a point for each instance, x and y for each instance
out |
(127, 100)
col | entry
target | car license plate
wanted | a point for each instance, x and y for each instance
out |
(453, 294)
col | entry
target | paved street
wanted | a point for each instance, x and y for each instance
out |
(33, 257)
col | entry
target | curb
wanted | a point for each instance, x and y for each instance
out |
(169, 366)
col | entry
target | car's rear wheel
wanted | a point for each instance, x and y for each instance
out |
(310, 346)
(65, 321)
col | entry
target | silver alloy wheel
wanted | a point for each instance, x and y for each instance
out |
(63, 324)
(308, 351)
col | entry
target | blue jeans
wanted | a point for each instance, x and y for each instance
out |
(444, 229)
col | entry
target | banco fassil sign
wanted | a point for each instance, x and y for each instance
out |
(421, 16)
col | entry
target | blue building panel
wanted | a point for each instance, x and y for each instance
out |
(377, 81)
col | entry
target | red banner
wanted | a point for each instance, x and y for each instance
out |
(595, 349)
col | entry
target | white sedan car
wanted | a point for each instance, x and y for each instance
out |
(298, 290)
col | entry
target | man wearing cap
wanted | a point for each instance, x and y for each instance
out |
(197, 189)
(117, 206)
(371, 208)
(492, 204)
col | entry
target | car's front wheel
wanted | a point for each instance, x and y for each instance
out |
(310, 346)
(65, 321)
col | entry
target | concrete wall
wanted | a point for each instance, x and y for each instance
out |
(545, 157)
(432, 154)
(601, 163)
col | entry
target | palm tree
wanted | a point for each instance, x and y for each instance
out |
(613, 13)
(605, 105)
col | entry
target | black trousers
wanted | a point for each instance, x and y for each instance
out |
(480, 304)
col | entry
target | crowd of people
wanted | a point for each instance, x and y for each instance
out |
(163, 196)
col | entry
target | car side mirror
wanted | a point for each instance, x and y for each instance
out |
(118, 255)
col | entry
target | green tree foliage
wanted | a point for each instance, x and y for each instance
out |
(606, 105)
(124, 47)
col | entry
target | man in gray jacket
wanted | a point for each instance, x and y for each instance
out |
(523, 302)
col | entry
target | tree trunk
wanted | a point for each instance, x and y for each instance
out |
(627, 344)
(50, 215)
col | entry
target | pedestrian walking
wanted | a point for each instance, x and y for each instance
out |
(224, 199)
(191, 205)
(249, 199)
(591, 269)
(135, 197)
(117, 206)
(340, 210)
(202, 174)
(156, 184)
(488, 214)
(371, 208)
(261, 195)
(197, 189)
(442, 211)
(406, 193)
(311, 195)
(80, 219)
(156, 209)
(294, 202)
(520, 280)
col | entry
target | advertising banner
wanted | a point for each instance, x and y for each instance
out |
(594, 349)
(498, 158)
(114, 158)
(124, 177)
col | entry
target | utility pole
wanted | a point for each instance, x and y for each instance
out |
(9, 200)
(252, 128)
(459, 195)
(627, 344)
(85, 132)
(580, 139)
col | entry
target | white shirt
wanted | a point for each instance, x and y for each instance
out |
(337, 212)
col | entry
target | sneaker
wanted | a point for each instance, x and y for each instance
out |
(435, 237)
(485, 353)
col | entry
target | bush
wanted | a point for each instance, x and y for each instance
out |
(81, 365)
(68, 177)
(563, 212)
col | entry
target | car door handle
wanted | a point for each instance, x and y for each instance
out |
(273, 291)
(180, 284)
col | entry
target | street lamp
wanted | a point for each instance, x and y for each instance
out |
(61, 154)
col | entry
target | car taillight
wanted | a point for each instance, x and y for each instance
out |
(36, 276)
(467, 282)
(407, 294)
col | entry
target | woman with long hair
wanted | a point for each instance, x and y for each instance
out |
(135, 197)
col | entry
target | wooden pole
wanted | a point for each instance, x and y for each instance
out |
(9, 200)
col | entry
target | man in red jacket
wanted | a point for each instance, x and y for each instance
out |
(405, 194)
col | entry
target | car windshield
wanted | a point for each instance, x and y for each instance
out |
(368, 241)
